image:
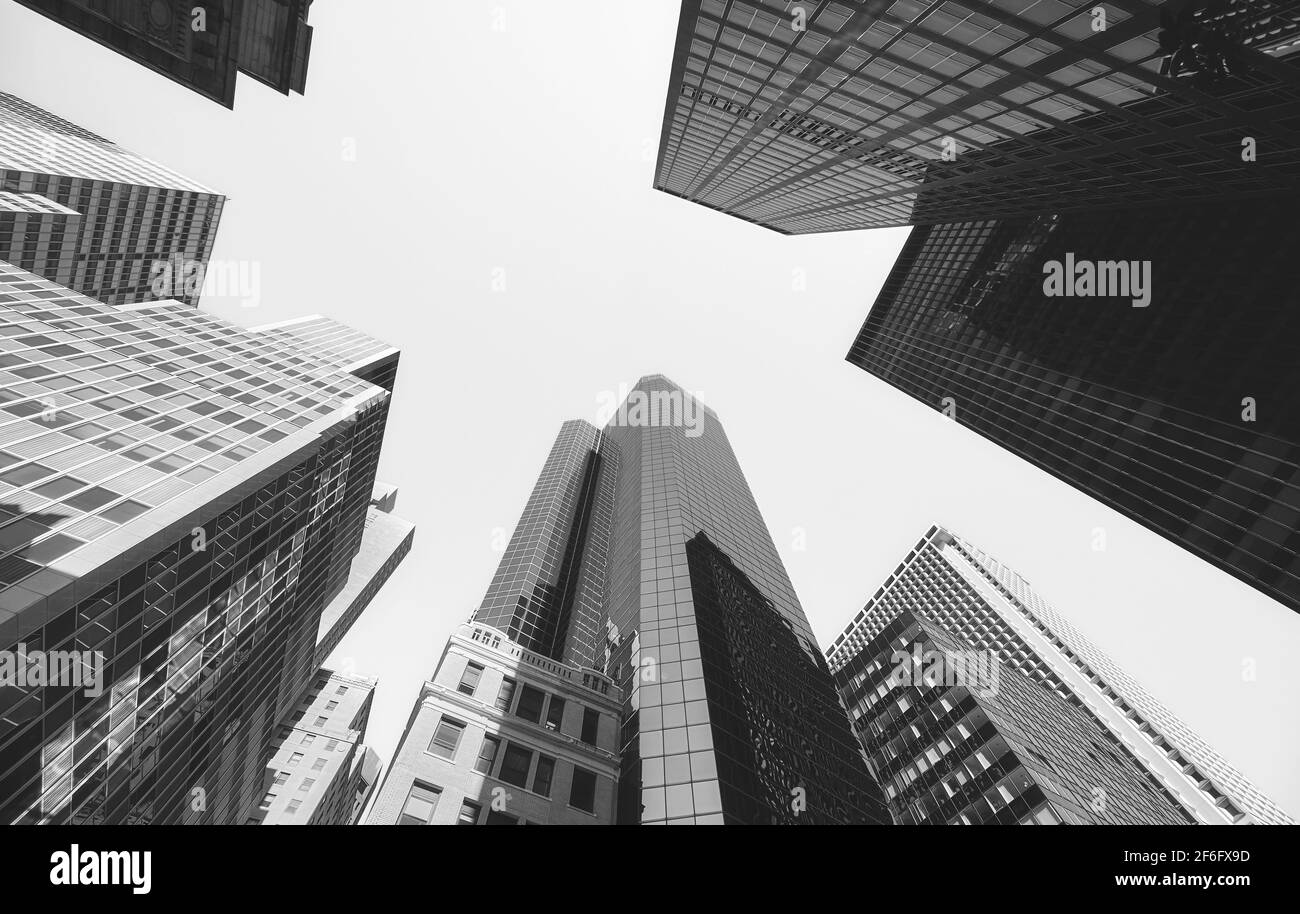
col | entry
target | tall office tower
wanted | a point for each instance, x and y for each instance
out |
(199, 46)
(181, 499)
(958, 592)
(961, 739)
(504, 735)
(87, 214)
(1115, 399)
(729, 712)
(315, 772)
(642, 554)
(548, 590)
(848, 115)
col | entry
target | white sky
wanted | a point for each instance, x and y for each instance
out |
(530, 150)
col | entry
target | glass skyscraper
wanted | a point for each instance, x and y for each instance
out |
(848, 115)
(181, 499)
(1176, 413)
(1094, 745)
(269, 40)
(82, 211)
(729, 711)
(641, 556)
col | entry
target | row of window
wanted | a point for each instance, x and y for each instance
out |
(422, 801)
(533, 705)
(516, 764)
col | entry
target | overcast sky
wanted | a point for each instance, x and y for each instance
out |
(515, 142)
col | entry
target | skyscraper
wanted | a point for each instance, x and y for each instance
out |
(1167, 400)
(199, 46)
(547, 593)
(85, 213)
(641, 558)
(182, 498)
(847, 115)
(961, 739)
(319, 760)
(729, 711)
(1097, 727)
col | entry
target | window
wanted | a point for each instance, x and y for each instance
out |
(515, 765)
(306, 785)
(267, 800)
(322, 721)
(329, 747)
(487, 754)
(308, 739)
(469, 679)
(420, 803)
(331, 706)
(281, 777)
(590, 726)
(555, 713)
(543, 776)
(530, 704)
(293, 806)
(468, 813)
(295, 758)
(318, 765)
(342, 690)
(447, 738)
(583, 793)
(506, 694)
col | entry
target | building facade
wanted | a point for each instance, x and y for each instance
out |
(341, 346)
(1109, 386)
(316, 775)
(202, 47)
(956, 593)
(85, 213)
(181, 500)
(503, 735)
(960, 739)
(843, 115)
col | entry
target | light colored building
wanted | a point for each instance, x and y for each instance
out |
(501, 736)
(313, 776)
